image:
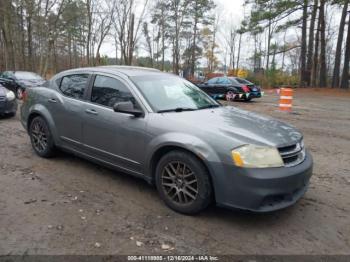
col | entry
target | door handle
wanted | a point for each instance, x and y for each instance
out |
(52, 100)
(91, 111)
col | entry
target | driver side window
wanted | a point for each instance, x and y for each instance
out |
(108, 91)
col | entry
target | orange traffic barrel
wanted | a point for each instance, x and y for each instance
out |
(286, 98)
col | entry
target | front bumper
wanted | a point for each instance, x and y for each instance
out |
(8, 107)
(262, 190)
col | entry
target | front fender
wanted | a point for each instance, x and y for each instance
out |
(188, 142)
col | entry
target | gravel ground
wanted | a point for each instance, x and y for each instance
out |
(67, 205)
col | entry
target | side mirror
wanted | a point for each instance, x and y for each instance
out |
(127, 108)
(206, 83)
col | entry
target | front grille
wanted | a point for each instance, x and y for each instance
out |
(292, 155)
(2, 101)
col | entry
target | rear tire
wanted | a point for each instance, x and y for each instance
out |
(247, 99)
(41, 137)
(183, 182)
(230, 96)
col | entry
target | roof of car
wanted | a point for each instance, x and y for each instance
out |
(126, 70)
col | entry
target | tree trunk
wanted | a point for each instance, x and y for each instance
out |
(163, 45)
(239, 50)
(311, 43)
(131, 40)
(193, 56)
(336, 71)
(323, 65)
(89, 13)
(315, 57)
(268, 47)
(303, 46)
(345, 76)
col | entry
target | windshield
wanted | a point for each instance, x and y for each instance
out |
(27, 76)
(172, 93)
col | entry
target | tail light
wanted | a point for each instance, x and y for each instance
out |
(24, 96)
(246, 89)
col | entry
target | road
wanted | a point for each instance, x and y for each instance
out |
(67, 205)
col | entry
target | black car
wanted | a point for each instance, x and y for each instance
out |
(231, 88)
(18, 81)
(8, 102)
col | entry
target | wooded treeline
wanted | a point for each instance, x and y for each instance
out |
(297, 39)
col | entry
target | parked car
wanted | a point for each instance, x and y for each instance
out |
(167, 131)
(18, 81)
(231, 87)
(8, 102)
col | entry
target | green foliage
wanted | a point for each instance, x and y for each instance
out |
(274, 78)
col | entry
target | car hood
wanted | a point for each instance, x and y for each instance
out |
(239, 125)
(31, 82)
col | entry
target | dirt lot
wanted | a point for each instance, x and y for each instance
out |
(69, 206)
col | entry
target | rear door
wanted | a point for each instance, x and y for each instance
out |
(222, 85)
(116, 138)
(66, 108)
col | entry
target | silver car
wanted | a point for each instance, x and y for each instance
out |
(167, 131)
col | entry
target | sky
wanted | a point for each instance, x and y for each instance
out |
(231, 11)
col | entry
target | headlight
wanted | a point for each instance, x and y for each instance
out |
(257, 156)
(10, 96)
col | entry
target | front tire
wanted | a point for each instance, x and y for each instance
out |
(183, 182)
(41, 137)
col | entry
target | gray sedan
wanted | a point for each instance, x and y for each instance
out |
(167, 131)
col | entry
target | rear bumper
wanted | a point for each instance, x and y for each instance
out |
(262, 190)
(255, 94)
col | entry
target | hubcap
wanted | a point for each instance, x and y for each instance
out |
(229, 96)
(179, 183)
(39, 136)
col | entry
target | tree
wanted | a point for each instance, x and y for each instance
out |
(323, 65)
(311, 43)
(345, 76)
(199, 10)
(303, 52)
(336, 71)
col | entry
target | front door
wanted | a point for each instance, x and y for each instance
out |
(113, 137)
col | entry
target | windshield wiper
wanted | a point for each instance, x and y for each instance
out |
(178, 109)
(209, 106)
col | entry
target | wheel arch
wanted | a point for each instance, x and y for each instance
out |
(39, 110)
(163, 150)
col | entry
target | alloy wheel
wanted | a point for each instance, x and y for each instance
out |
(39, 137)
(179, 183)
(230, 96)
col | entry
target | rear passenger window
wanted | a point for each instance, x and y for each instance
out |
(212, 81)
(74, 85)
(107, 91)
